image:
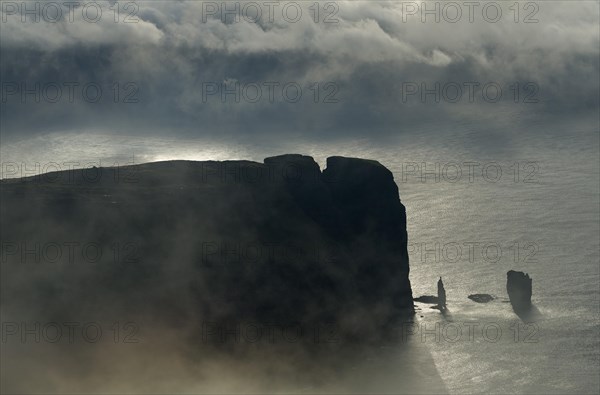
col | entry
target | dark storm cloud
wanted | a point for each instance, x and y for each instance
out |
(172, 64)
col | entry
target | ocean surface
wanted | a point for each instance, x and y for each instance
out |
(530, 201)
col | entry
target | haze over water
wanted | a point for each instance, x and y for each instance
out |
(468, 227)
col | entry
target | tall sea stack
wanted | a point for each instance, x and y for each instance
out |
(518, 286)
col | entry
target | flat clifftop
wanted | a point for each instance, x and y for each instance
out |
(288, 167)
(279, 241)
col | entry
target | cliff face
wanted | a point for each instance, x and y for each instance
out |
(191, 242)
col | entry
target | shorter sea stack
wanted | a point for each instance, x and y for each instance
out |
(518, 286)
(441, 295)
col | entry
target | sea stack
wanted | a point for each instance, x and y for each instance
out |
(441, 295)
(518, 286)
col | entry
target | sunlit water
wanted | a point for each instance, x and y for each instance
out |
(470, 231)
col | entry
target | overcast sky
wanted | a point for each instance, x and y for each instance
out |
(360, 67)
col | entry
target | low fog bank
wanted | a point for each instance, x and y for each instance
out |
(209, 277)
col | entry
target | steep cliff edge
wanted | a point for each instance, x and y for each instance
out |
(195, 242)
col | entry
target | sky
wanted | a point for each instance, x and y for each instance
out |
(339, 70)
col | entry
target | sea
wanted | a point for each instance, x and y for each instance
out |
(516, 194)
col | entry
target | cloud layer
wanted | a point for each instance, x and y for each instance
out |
(195, 69)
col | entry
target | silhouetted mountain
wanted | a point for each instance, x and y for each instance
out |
(191, 242)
